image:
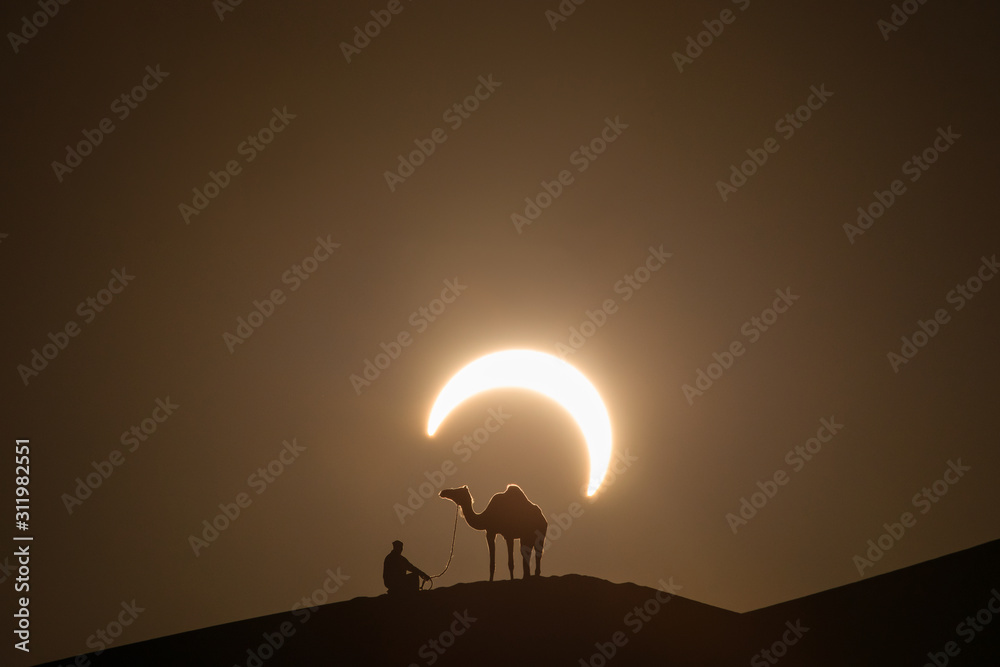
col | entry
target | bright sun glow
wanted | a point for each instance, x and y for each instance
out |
(547, 375)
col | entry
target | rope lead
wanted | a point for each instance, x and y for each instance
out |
(454, 532)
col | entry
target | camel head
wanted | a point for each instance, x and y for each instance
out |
(458, 496)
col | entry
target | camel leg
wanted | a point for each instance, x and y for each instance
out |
(539, 547)
(510, 555)
(491, 540)
(525, 557)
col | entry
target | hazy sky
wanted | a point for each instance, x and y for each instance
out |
(171, 170)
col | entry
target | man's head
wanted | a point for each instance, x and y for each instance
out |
(397, 546)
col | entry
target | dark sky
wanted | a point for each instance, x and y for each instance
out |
(214, 87)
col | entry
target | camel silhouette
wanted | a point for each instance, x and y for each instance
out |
(510, 514)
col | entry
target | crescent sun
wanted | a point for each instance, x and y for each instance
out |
(546, 374)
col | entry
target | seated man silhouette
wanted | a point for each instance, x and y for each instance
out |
(400, 575)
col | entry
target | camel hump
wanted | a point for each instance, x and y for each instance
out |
(513, 491)
(516, 501)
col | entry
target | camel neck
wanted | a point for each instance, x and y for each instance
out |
(474, 520)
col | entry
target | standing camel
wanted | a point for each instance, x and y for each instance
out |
(510, 514)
